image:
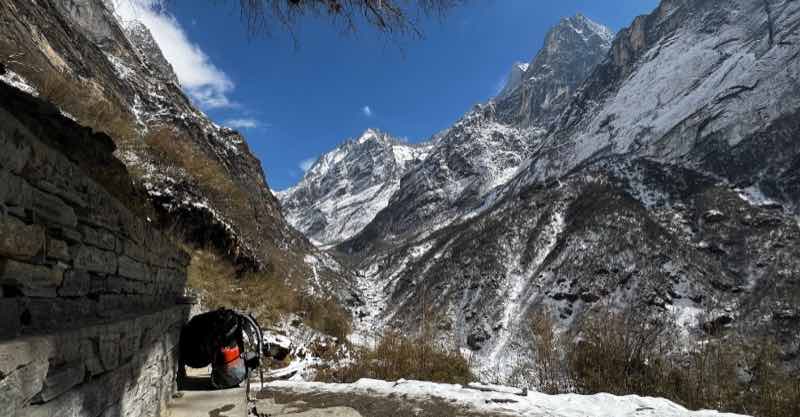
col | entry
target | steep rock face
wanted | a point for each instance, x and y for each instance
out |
(691, 83)
(667, 187)
(571, 51)
(344, 190)
(515, 77)
(202, 178)
(486, 147)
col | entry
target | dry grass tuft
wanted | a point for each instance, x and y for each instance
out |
(86, 103)
(268, 297)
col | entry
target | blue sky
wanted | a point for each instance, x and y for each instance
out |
(294, 101)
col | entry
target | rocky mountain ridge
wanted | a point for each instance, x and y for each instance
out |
(666, 185)
(486, 147)
(457, 169)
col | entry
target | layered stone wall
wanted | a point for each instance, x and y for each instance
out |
(89, 291)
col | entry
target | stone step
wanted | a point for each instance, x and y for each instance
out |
(199, 399)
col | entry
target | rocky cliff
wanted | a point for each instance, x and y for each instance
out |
(201, 179)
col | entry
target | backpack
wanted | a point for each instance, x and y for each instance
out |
(217, 338)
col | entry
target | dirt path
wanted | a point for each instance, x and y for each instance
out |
(279, 402)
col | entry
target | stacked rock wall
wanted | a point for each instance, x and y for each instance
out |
(89, 312)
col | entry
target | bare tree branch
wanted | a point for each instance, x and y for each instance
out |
(399, 17)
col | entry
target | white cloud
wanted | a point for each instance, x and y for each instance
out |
(242, 123)
(203, 81)
(367, 111)
(307, 163)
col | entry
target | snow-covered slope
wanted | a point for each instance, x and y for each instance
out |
(691, 83)
(486, 147)
(633, 197)
(482, 399)
(344, 190)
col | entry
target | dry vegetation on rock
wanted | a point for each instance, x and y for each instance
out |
(624, 354)
(267, 297)
(396, 356)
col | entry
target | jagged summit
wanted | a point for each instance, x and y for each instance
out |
(572, 48)
(373, 134)
(586, 27)
(348, 186)
(569, 43)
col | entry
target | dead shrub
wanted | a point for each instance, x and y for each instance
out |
(625, 354)
(87, 104)
(210, 175)
(549, 369)
(325, 315)
(620, 353)
(396, 357)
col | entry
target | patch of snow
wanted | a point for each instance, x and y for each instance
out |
(493, 399)
(123, 71)
(754, 196)
(19, 82)
(685, 314)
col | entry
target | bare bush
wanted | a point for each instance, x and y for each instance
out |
(387, 16)
(179, 151)
(620, 353)
(628, 353)
(549, 368)
(395, 356)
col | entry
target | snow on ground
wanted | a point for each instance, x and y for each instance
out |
(753, 196)
(19, 82)
(298, 339)
(503, 400)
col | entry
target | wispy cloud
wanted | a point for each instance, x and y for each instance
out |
(499, 85)
(208, 86)
(307, 163)
(367, 111)
(242, 123)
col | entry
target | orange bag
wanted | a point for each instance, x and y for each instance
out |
(230, 354)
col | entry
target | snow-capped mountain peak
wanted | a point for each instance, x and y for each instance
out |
(344, 190)
(372, 134)
(571, 49)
